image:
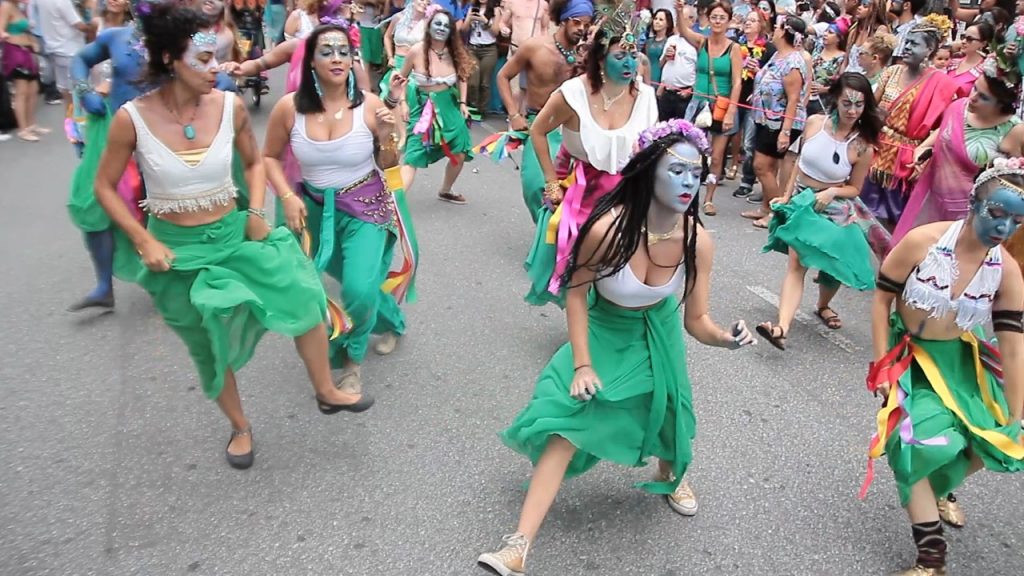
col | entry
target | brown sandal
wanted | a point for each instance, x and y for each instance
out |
(833, 322)
(452, 198)
(767, 330)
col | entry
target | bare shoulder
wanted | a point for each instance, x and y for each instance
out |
(705, 244)
(599, 237)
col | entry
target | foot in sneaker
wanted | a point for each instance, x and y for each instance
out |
(683, 500)
(386, 344)
(510, 560)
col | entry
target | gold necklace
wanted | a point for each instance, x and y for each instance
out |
(609, 102)
(654, 238)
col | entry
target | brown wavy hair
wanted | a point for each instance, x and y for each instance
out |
(464, 63)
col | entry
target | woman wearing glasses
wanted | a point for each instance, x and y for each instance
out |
(965, 71)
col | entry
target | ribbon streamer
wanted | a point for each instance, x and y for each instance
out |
(499, 145)
(339, 319)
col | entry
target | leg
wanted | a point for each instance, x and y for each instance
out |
(312, 347)
(488, 60)
(230, 404)
(544, 484)
(792, 291)
(767, 170)
(718, 144)
(101, 251)
(21, 99)
(451, 173)
(827, 289)
(926, 528)
(473, 84)
(33, 103)
(683, 500)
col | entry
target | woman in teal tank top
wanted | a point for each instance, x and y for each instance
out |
(719, 64)
(20, 65)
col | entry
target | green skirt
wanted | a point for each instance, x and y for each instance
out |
(224, 292)
(86, 213)
(532, 176)
(448, 134)
(385, 81)
(644, 409)
(839, 250)
(371, 45)
(949, 416)
(540, 263)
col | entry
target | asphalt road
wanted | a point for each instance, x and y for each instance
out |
(111, 460)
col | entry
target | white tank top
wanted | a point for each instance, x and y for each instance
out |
(624, 289)
(306, 26)
(334, 163)
(818, 157)
(606, 150)
(172, 185)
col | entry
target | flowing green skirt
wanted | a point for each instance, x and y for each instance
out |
(86, 213)
(224, 292)
(448, 135)
(359, 262)
(644, 409)
(385, 81)
(540, 263)
(952, 414)
(839, 250)
(532, 176)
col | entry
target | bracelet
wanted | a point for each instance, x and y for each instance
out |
(258, 212)
(287, 196)
(581, 367)
(81, 87)
(391, 143)
(514, 116)
(552, 188)
(390, 102)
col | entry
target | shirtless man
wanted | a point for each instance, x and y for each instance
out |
(547, 61)
(523, 19)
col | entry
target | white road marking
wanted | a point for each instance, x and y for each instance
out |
(802, 317)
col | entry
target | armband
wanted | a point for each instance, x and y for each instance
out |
(887, 284)
(1008, 321)
(81, 87)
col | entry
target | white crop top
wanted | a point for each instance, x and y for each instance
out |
(334, 164)
(420, 79)
(172, 184)
(306, 26)
(626, 290)
(606, 150)
(930, 284)
(818, 156)
(406, 34)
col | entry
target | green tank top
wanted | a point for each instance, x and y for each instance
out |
(18, 27)
(722, 67)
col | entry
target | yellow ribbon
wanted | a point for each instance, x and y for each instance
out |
(551, 235)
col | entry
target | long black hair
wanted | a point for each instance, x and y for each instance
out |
(168, 28)
(869, 125)
(628, 231)
(307, 101)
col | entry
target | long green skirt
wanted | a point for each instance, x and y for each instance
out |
(449, 133)
(540, 263)
(644, 409)
(841, 251)
(532, 176)
(86, 213)
(359, 262)
(946, 405)
(385, 81)
(224, 292)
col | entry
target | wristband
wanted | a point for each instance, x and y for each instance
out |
(258, 212)
(581, 367)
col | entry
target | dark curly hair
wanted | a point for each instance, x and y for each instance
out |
(627, 233)
(307, 101)
(1006, 96)
(596, 52)
(464, 63)
(168, 28)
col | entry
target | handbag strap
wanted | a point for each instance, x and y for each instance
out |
(711, 64)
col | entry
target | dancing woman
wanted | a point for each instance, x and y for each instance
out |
(340, 136)
(218, 276)
(913, 97)
(437, 70)
(601, 114)
(404, 31)
(952, 402)
(820, 223)
(618, 390)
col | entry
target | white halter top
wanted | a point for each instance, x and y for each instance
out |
(174, 185)
(930, 284)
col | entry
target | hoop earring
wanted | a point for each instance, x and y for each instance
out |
(351, 85)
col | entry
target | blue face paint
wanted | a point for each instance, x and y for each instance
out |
(620, 66)
(677, 177)
(998, 215)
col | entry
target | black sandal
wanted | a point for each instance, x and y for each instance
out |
(240, 461)
(833, 322)
(767, 331)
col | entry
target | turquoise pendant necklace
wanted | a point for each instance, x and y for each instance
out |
(187, 129)
(570, 58)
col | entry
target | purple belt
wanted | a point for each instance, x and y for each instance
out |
(366, 199)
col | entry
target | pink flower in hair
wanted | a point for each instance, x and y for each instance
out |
(431, 10)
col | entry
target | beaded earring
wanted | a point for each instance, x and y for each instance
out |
(316, 85)
(351, 85)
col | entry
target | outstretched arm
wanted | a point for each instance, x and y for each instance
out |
(1007, 323)
(696, 318)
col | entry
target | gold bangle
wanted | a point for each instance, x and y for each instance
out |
(287, 196)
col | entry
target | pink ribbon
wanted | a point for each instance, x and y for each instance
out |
(569, 226)
(907, 427)
(426, 118)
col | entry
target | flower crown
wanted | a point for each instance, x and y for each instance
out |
(622, 22)
(353, 33)
(1001, 167)
(934, 23)
(431, 10)
(691, 133)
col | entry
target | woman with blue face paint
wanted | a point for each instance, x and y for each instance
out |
(952, 402)
(618, 390)
(437, 70)
(601, 114)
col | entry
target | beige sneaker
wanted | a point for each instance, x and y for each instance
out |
(386, 343)
(510, 560)
(683, 500)
(350, 381)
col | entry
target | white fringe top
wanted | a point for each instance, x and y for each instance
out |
(930, 285)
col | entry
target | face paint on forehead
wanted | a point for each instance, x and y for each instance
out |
(330, 44)
(855, 97)
(202, 43)
(999, 214)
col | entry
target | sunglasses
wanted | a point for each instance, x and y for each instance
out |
(972, 39)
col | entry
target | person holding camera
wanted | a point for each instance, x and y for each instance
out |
(483, 23)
